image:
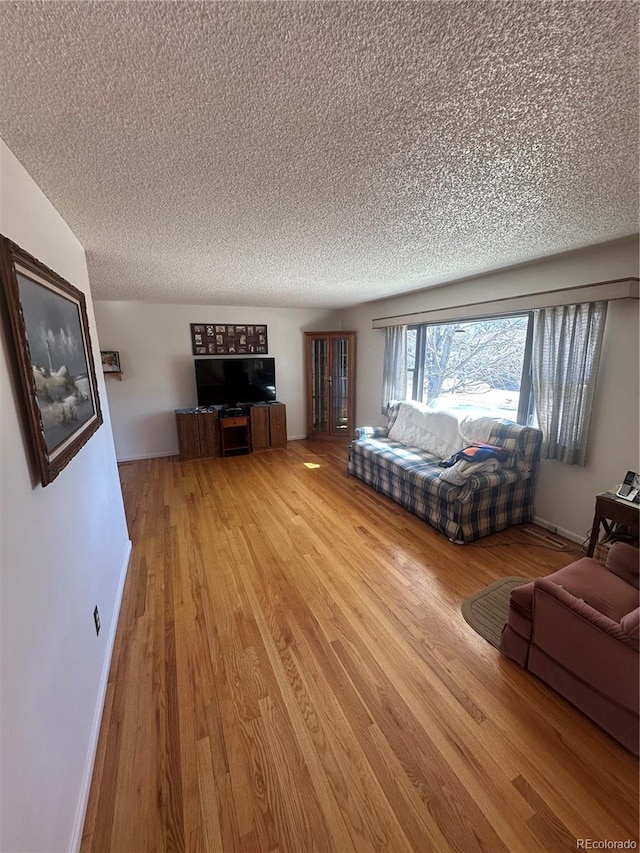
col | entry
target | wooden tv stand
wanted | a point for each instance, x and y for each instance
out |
(204, 433)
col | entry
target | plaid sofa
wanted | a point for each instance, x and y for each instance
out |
(486, 503)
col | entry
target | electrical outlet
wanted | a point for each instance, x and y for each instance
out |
(96, 619)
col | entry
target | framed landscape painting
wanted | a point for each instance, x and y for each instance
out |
(55, 372)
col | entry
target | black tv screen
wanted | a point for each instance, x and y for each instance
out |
(232, 381)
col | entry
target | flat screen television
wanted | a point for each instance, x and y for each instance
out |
(233, 381)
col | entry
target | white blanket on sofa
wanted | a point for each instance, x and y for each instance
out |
(476, 429)
(437, 432)
(459, 473)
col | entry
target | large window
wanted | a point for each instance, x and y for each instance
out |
(478, 366)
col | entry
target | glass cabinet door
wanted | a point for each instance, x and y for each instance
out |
(339, 382)
(319, 381)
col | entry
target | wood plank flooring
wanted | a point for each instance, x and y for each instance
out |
(292, 673)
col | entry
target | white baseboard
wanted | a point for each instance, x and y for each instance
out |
(140, 456)
(137, 458)
(561, 531)
(76, 837)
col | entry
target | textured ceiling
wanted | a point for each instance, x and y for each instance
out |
(320, 153)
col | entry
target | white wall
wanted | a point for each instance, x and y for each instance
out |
(63, 549)
(154, 343)
(564, 494)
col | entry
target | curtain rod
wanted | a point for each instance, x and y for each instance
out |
(620, 288)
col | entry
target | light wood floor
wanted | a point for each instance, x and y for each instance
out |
(292, 673)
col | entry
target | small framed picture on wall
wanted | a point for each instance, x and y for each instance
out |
(110, 361)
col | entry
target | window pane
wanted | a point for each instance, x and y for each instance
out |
(411, 359)
(475, 366)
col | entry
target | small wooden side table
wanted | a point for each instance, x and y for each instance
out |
(235, 435)
(610, 511)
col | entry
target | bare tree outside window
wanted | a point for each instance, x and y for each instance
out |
(474, 365)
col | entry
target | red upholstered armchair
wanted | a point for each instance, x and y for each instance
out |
(577, 630)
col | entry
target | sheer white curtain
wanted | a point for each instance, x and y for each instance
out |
(394, 372)
(567, 341)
